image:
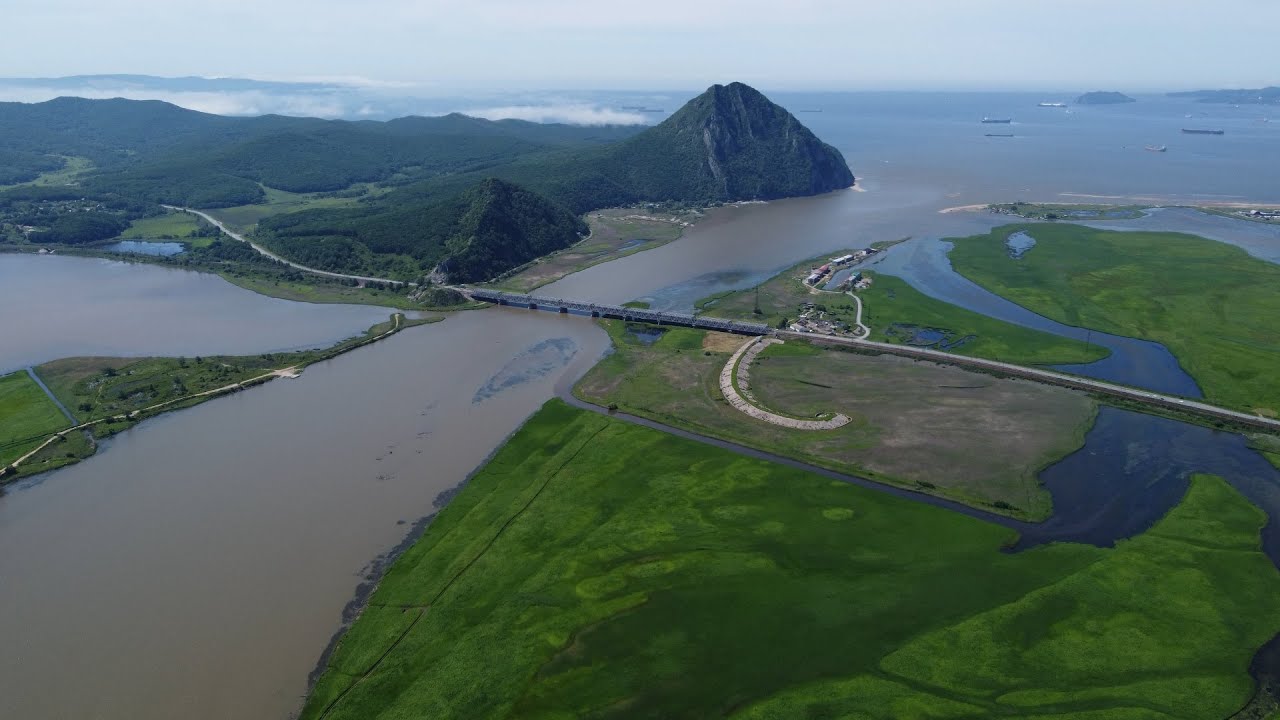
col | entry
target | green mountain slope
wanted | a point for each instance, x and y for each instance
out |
(473, 235)
(729, 143)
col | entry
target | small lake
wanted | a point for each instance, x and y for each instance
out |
(56, 307)
(147, 247)
(1019, 244)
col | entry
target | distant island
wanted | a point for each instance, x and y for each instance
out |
(1259, 96)
(1101, 97)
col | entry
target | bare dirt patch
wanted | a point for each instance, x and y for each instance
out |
(721, 342)
(939, 429)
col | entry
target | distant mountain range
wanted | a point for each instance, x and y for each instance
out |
(168, 84)
(1260, 96)
(471, 196)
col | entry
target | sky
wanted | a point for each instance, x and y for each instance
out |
(457, 45)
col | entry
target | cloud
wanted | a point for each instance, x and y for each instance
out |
(572, 114)
(217, 103)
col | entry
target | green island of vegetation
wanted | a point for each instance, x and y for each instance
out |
(939, 430)
(896, 313)
(108, 395)
(594, 568)
(1211, 304)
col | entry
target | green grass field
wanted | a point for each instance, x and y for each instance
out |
(891, 301)
(243, 218)
(68, 174)
(941, 430)
(27, 416)
(1215, 307)
(170, 226)
(598, 569)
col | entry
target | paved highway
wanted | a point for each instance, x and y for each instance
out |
(267, 253)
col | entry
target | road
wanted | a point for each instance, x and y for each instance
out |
(267, 253)
(1075, 382)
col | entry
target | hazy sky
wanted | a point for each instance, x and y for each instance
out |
(779, 44)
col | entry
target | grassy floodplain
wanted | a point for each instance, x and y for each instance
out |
(111, 394)
(599, 569)
(27, 416)
(1214, 306)
(892, 309)
(615, 233)
(941, 430)
(169, 226)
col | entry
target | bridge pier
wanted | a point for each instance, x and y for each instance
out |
(595, 313)
(564, 310)
(533, 305)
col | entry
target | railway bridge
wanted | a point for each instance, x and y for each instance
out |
(620, 312)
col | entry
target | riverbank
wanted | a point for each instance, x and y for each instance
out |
(512, 600)
(1211, 304)
(114, 394)
(897, 313)
(615, 233)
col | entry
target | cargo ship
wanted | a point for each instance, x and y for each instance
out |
(997, 121)
(1049, 104)
(1158, 148)
(1202, 131)
(1000, 135)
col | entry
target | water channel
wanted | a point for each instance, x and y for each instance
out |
(199, 565)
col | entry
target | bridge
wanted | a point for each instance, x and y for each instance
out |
(619, 312)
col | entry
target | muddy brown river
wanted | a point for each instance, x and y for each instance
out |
(198, 566)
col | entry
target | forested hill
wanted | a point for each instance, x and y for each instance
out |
(159, 152)
(493, 225)
(472, 197)
(729, 143)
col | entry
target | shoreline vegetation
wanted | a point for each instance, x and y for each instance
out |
(900, 314)
(615, 234)
(1222, 326)
(594, 567)
(108, 395)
